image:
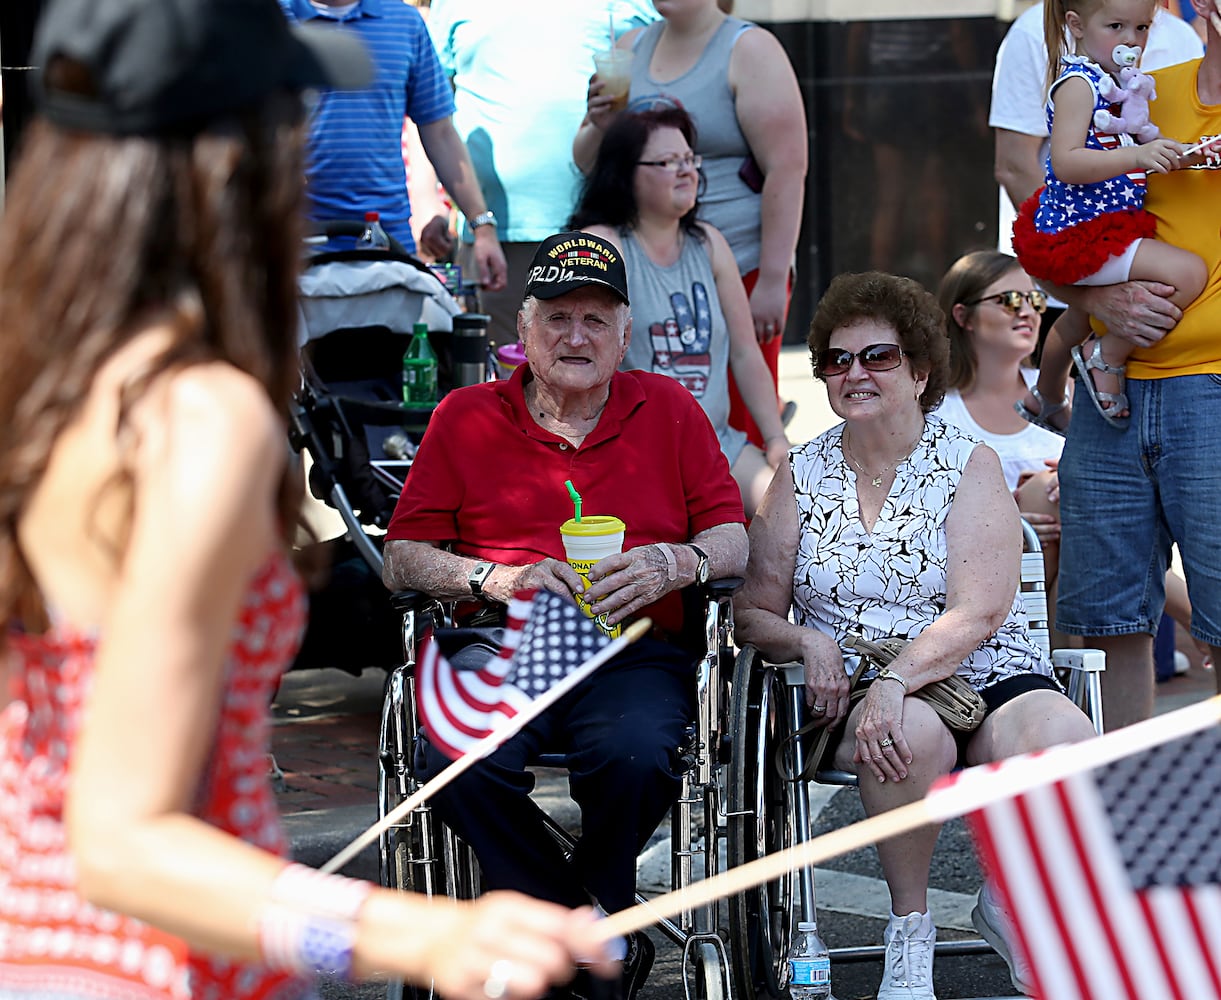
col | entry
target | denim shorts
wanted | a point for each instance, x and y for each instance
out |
(1126, 495)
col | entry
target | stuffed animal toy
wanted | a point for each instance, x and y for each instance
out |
(1133, 93)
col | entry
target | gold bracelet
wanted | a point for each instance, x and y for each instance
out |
(886, 674)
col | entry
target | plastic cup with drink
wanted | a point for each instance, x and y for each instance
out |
(588, 539)
(614, 69)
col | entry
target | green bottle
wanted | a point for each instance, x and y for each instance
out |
(420, 369)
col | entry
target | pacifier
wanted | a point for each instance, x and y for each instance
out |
(1126, 55)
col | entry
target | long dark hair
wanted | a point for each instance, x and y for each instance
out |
(99, 233)
(608, 197)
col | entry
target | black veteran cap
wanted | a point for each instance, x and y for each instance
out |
(156, 67)
(568, 261)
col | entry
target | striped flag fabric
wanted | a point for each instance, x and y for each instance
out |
(1111, 876)
(546, 638)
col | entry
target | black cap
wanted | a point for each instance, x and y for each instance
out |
(154, 67)
(568, 261)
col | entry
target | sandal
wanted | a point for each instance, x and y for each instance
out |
(1118, 401)
(1046, 412)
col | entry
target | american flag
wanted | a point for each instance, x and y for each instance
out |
(546, 638)
(1111, 876)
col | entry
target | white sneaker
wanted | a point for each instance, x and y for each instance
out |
(909, 958)
(995, 926)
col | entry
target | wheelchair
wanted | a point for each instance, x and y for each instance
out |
(769, 805)
(421, 854)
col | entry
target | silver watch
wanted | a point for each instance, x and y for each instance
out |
(701, 565)
(483, 219)
(479, 576)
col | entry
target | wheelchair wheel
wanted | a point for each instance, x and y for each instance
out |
(405, 852)
(710, 981)
(762, 820)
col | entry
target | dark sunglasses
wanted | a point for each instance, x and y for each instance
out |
(1012, 300)
(874, 358)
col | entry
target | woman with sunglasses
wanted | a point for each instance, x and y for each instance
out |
(992, 312)
(690, 315)
(895, 523)
(990, 305)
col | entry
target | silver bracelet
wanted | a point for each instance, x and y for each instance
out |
(886, 674)
(671, 562)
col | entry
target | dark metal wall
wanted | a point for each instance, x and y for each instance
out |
(900, 153)
(17, 19)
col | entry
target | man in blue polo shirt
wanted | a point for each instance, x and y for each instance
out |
(355, 145)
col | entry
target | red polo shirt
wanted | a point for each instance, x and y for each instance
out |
(490, 480)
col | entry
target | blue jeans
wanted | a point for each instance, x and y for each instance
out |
(1126, 495)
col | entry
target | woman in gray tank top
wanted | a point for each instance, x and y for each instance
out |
(740, 89)
(690, 317)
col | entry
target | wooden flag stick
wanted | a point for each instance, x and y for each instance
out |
(972, 789)
(494, 739)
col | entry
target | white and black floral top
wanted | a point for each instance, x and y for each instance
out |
(890, 581)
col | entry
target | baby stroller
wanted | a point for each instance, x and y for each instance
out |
(357, 311)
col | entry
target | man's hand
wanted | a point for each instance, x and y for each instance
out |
(490, 258)
(546, 574)
(1139, 312)
(628, 581)
(436, 241)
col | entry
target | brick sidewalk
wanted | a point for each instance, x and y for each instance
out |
(325, 739)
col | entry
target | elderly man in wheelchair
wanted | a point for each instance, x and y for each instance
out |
(895, 524)
(479, 519)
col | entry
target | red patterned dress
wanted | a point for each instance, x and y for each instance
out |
(53, 944)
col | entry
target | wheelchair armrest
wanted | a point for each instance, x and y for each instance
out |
(407, 600)
(725, 586)
(1087, 660)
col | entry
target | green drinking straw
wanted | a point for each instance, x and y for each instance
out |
(576, 498)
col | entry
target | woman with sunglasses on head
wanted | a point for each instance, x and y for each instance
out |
(690, 316)
(896, 524)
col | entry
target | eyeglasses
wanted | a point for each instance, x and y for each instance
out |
(673, 164)
(1012, 300)
(874, 358)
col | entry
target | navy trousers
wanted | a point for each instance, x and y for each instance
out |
(621, 730)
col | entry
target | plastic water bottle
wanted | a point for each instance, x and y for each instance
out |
(374, 237)
(809, 965)
(420, 369)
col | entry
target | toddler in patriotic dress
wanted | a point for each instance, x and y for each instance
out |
(1087, 225)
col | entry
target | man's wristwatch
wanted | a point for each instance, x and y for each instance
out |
(479, 576)
(483, 219)
(701, 565)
